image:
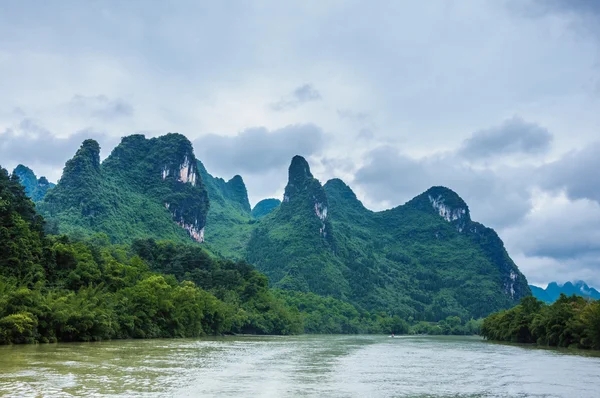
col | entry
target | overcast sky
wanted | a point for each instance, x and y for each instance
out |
(498, 100)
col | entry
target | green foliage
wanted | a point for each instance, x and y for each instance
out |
(59, 289)
(18, 328)
(568, 322)
(237, 284)
(143, 189)
(229, 222)
(452, 325)
(408, 261)
(265, 207)
(21, 233)
(332, 316)
(425, 260)
(293, 245)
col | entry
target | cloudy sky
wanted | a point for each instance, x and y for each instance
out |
(498, 100)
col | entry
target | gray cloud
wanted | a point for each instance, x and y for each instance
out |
(420, 72)
(496, 198)
(301, 95)
(582, 16)
(258, 150)
(353, 115)
(100, 106)
(563, 231)
(577, 173)
(582, 7)
(513, 136)
(33, 145)
(560, 241)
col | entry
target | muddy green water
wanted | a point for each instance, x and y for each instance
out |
(314, 366)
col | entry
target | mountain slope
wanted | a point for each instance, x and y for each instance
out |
(425, 259)
(293, 245)
(145, 188)
(229, 220)
(34, 188)
(554, 290)
(540, 294)
(265, 207)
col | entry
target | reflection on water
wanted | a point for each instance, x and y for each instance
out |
(336, 366)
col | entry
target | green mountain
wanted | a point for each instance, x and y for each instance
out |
(426, 259)
(540, 294)
(34, 188)
(554, 290)
(264, 207)
(54, 288)
(229, 221)
(145, 188)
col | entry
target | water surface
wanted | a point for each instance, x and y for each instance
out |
(303, 366)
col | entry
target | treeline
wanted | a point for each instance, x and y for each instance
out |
(568, 322)
(60, 288)
(332, 316)
(53, 288)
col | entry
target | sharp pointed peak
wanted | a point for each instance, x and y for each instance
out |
(299, 168)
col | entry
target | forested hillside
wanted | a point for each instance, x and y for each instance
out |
(571, 321)
(265, 207)
(145, 188)
(229, 220)
(56, 288)
(423, 261)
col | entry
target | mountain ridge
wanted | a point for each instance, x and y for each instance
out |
(144, 188)
(35, 188)
(339, 249)
(553, 291)
(424, 260)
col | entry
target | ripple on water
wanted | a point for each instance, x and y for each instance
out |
(335, 366)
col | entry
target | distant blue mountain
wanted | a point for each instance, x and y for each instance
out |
(553, 291)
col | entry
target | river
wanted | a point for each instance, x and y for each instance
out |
(311, 366)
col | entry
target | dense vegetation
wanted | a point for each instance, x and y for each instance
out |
(553, 291)
(415, 261)
(425, 261)
(145, 188)
(265, 207)
(571, 321)
(330, 315)
(56, 288)
(229, 222)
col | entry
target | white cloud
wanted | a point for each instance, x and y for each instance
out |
(414, 79)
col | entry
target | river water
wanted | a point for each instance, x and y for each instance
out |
(298, 366)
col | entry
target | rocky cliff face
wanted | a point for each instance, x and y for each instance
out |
(446, 203)
(305, 190)
(164, 167)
